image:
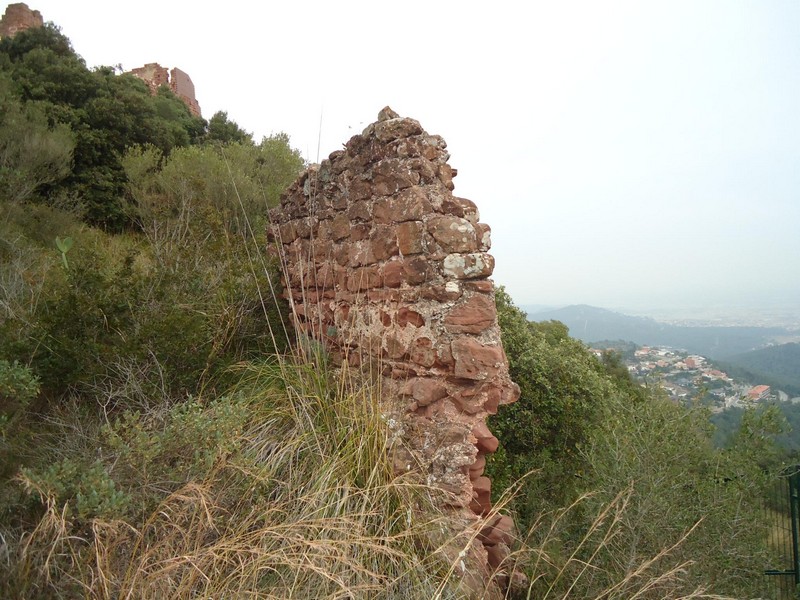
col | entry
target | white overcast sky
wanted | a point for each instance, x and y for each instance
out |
(625, 154)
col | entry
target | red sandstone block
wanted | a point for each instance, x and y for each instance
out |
(453, 234)
(445, 174)
(361, 254)
(468, 266)
(474, 360)
(496, 554)
(363, 279)
(486, 442)
(483, 286)
(413, 270)
(340, 227)
(426, 169)
(384, 242)
(392, 129)
(359, 231)
(360, 211)
(461, 207)
(409, 205)
(475, 315)
(393, 273)
(476, 469)
(425, 391)
(484, 233)
(360, 190)
(392, 175)
(422, 352)
(449, 292)
(287, 232)
(500, 530)
(411, 237)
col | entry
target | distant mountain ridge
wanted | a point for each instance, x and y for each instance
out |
(590, 324)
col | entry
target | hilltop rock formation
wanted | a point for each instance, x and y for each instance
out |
(154, 75)
(18, 17)
(388, 269)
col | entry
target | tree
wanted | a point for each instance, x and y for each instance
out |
(32, 154)
(225, 131)
(106, 112)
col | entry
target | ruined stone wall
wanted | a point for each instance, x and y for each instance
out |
(387, 267)
(154, 75)
(181, 85)
(19, 17)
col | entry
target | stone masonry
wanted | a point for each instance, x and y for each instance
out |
(19, 17)
(154, 75)
(388, 269)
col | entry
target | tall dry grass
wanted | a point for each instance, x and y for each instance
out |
(305, 505)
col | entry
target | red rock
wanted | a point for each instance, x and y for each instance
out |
(410, 205)
(392, 175)
(406, 316)
(468, 266)
(395, 346)
(486, 442)
(474, 360)
(475, 315)
(500, 530)
(422, 352)
(497, 554)
(445, 174)
(384, 242)
(482, 286)
(340, 227)
(476, 469)
(361, 254)
(360, 211)
(417, 270)
(287, 233)
(363, 279)
(482, 493)
(395, 128)
(359, 231)
(426, 390)
(410, 237)
(393, 273)
(448, 292)
(453, 234)
(484, 234)
(360, 190)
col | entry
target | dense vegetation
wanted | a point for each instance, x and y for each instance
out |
(594, 439)
(157, 442)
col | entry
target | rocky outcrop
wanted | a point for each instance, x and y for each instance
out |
(154, 75)
(387, 268)
(18, 17)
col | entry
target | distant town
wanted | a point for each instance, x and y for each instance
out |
(693, 378)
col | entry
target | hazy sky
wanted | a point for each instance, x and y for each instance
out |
(625, 154)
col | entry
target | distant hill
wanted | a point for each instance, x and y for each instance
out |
(778, 366)
(590, 324)
(530, 309)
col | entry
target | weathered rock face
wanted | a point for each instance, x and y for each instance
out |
(388, 268)
(154, 75)
(19, 17)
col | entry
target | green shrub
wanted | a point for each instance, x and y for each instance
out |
(88, 491)
(18, 386)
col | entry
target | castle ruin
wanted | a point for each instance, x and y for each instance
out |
(387, 268)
